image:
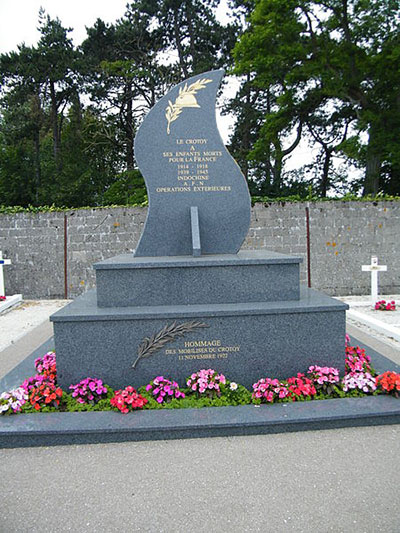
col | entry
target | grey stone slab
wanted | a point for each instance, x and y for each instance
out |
(54, 429)
(245, 342)
(84, 308)
(243, 257)
(245, 277)
(185, 164)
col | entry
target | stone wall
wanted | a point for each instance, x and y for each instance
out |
(343, 236)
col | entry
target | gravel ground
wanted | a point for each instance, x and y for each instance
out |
(362, 304)
(21, 319)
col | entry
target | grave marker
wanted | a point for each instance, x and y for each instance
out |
(374, 268)
(10, 300)
(3, 262)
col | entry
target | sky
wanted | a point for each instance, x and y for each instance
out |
(19, 22)
(19, 18)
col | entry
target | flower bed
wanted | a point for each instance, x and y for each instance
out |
(205, 388)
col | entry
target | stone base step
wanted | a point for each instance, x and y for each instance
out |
(249, 276)
(244, 341)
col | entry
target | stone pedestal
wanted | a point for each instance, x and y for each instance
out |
(244, 315)
(189, 299)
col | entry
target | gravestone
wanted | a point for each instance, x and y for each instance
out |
(188, 298)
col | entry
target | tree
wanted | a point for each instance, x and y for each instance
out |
(274, 141)
(122, 74)
(128, 67)
(55, 146)
(315, 53)
(190, 29)
(57, 64)
(41, 82)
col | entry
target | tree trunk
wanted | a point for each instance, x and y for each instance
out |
(373, 166)
(325, 173)
(54, 124)
(37, 119)
(129, 127)
(37, 164)
(277, 169)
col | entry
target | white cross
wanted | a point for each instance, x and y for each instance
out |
(374, 268)
(2, 263)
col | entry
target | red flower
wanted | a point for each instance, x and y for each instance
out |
(127, 399)
(389, 382)
(45, 394)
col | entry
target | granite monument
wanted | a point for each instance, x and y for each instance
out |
(195, 188)
(188, 298)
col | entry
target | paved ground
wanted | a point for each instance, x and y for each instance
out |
(21, 319)
(334, 480)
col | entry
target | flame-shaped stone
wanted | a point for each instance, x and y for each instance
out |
(197, 193)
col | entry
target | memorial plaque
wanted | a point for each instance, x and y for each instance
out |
(199, 202)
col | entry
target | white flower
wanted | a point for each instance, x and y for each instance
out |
(233, 385)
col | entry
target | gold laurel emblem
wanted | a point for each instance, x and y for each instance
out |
(186, 98)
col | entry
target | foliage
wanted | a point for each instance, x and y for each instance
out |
(234, 393)
(206, 382)
(45, 394)
(13, 400)
(321, 73)
(363, 381)
(127, 189)
(69, 115)
(389, 382)
(163, 390)
(128, 400)
(328, 70)
(89, 390)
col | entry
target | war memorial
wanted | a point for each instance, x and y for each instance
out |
(188, 298)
